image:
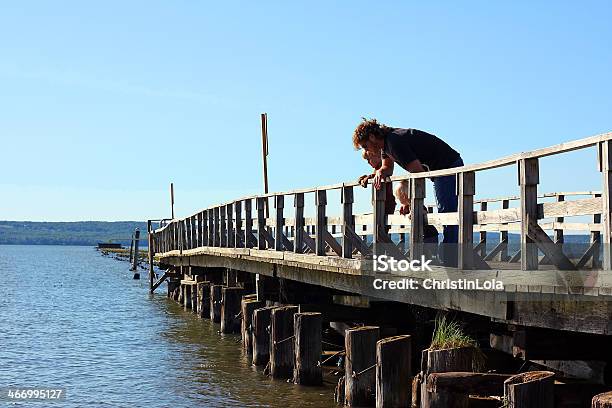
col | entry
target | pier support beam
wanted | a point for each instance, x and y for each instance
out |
(360, 377)
(186, 296)
(282, 342)
(308, 348)
(261, 335)
(393, 372)
(230, 309)
(248, 307)
(215, 303)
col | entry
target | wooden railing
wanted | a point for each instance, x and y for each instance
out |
(245, 223)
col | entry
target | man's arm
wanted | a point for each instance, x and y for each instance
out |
(415, 166)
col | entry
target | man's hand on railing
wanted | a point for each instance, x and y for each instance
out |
(404, 209)
(363, 180)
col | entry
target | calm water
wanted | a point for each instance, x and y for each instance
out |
(72, 318)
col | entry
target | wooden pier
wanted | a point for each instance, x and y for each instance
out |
(300, 248)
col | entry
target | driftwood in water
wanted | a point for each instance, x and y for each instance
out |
(261, 335)
(393, 371)
(533, 389)
(246, 327)
(282, 354)
(360, 376)
(215, 303)
(308, 348)
(602, 400)
(230, 309)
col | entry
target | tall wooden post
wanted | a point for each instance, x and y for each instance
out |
(359, 373)
(466, 187)
(132, 251)
(151, 253)
(321, 203)
(348, 223)
(172, 199)
(264, 149)
(298, 239)
(605, 166)
(135, 260)
(529, 178)
(417, 217)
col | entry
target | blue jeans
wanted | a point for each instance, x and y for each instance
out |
(445, 188)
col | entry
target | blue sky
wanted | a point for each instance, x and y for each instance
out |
(90, 92)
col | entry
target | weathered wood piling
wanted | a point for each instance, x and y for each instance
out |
(442, 361)
(602, 400)
(360, 376)
(308, 348)
(261, 335)
(204, 299)
(215, 303)
(282, 341)
(532, 389)
(246, 328)
(393, 372)
(230, 309)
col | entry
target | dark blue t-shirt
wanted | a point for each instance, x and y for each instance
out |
(405, 145)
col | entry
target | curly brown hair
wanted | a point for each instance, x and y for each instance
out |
(366, 128)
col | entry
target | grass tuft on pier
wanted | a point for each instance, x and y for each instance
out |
(449, 334)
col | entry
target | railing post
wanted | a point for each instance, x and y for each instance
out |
(605, 166)
(348, 223)
(204, 229)
(320, 202)
(503, 235)
(529, 178)
(248, 223)
(596, 237)
(298, 238)
(279, 204)
(466, 187)
(238, 230)
(211, 227)
(417, 217)
(199, 240)
(229, 208)
(558, 232)
(379, 229)
(261, 204)
(223, 227)
(483, 234)
(217, 226)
